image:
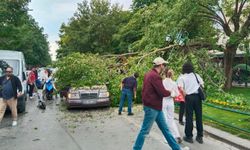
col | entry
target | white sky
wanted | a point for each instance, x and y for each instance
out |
(50, 14)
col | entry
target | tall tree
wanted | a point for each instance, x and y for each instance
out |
(149, 26)
(20, 32)
(91, 29)
(137, 4)
(234, 18)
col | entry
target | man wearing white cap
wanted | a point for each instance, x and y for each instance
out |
(153, 92)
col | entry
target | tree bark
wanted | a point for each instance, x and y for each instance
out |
(229, 54)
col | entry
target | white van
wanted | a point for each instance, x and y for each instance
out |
(16, 60)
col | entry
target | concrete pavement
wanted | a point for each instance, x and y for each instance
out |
(85, 130)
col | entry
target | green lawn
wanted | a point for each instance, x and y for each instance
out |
(228, 118)
(223, 119)
(241, 91)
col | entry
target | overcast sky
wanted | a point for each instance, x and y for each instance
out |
(50, 14)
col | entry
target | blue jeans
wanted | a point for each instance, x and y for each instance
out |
(129, 94)
(150, 116)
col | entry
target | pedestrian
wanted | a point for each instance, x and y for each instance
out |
(193, 102)
(152, 96)
(168, 104)
(10, 84)
(31, 82)
(181, 99)
(238, 72)
(128, 88)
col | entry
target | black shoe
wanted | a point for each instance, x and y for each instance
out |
(119, 113)
(199, 139)
(188, 139)
(179, 140)
(130, 114)
(181, 123)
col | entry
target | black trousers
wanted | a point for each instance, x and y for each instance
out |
(31, 89)
(181, 111)
(193, 104)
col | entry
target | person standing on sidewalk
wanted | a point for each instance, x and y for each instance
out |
(31, 82)
(182, 101)
(128, 88)
(152, 95)
(193, 103)
(10, 84)
(168, 104)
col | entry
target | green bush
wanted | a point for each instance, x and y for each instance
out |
(79, 70)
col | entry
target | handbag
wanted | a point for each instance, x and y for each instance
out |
(200, 90)
(180, 97)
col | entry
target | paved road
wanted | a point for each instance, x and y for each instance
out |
(59, 129)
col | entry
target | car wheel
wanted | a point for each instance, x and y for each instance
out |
(21, 109)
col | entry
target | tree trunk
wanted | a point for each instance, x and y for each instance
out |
(229, 55)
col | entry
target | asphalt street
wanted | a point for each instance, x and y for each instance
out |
(56, 128)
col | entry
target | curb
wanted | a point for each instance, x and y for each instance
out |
(225, 137)
(228, 138)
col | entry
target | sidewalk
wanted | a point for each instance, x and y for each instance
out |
(213, 138)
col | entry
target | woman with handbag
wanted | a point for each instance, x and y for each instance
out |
(168, 104)
(192, 84)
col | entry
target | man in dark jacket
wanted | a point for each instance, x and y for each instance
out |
(129, 86)
(9, 85)
(152, 95)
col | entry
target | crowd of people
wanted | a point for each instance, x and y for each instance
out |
(158, 97)
(11, 88)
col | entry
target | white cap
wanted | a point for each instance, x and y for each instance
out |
(159, 61)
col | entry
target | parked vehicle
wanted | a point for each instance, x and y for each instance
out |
(86, 97)
(16, 60)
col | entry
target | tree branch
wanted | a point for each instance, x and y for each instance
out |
(212, 18)
(212, 12)
(223, 23)
(121, 55)
(155, 51)
(245, 30)
(223, 14)
(196, 45)
(236, 6)
(243, 2)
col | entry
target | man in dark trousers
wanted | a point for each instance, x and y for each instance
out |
(153, 92)
(128, 87)
(9, 85)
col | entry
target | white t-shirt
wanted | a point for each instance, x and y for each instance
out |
(189, 83)
(171, 86)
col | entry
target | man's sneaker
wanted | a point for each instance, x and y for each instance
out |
(130, 114)
(185, 148)
(188, 139)
(31, 97)
(14, 123)
(119, 113)
(199, 139)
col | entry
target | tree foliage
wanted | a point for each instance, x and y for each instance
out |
(149, 26)
(92, 27)
(78, 70)
(20, 32)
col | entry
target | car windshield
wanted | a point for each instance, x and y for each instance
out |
(7, 62)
